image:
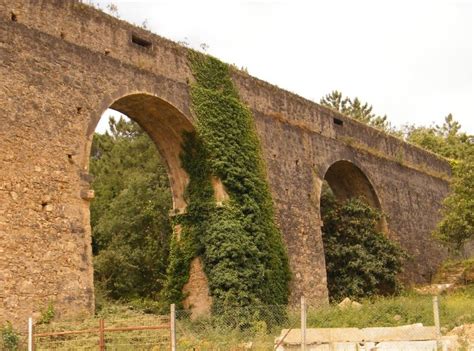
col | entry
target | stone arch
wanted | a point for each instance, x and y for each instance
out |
(347, 180)
(164, 123)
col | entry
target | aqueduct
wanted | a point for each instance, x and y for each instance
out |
(63, 63)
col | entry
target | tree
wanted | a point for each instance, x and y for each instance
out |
(354, 108)
(457, 226)
(446, 140)
(129, 216)
(360, 260)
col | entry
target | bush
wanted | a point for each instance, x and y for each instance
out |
(361, 261)
(10, 338)
(47, 314)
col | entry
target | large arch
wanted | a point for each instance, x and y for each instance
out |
(346, 180)
(165, 125)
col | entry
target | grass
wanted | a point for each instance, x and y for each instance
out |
(455, 308)
(214, 333)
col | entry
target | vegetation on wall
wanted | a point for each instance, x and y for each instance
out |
(360, 260)
(129, 215)
(241, 247)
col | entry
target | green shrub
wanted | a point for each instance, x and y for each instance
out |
(10, 338)
(47, 314)
(360, 260)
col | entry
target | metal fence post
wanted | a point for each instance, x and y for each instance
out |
(436, 318)
(101, 335)
(173, 326)
(303, 324)
(31, 345)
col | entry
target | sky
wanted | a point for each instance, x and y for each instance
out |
(411, 59)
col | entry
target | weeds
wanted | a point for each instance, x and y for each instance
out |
(10, 338)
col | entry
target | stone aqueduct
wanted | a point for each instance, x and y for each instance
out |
(62, 64)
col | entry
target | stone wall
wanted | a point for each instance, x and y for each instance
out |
(63, 63)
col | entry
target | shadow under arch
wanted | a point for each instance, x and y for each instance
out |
(165, 125)
(347, 180)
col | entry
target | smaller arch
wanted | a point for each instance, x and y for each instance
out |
(347, 180)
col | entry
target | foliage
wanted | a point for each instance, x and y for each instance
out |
(241, 247)
(446, 140)
(10, 338)
(459, 271)
(47, 314)
(360, 260)
(129, 216)
(356, 109)
(457, 226)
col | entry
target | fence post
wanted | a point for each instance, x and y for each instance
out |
(303, 324)
(173, 326)
(101, 335)
(31, 345)
(436, 318)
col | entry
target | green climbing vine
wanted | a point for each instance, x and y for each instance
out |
(241, 247)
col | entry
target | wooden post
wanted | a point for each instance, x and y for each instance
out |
(436, 318)
(31, 345)
(303, 324)
(101, 335)
(173, 327)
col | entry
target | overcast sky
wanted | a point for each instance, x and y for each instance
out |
(410, 59)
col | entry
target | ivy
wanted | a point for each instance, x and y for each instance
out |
(241, 247)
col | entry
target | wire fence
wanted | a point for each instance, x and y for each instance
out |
(147, 332)
(401, 323)
(245, 328)
(411, 322)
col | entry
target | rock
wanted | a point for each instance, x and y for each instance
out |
(397, 317)
(346, 303)
(14, 195)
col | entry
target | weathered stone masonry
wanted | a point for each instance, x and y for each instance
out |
(63, 63)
